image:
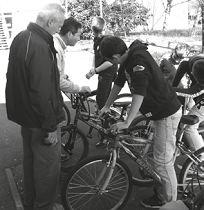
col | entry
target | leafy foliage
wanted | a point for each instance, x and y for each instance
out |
(121, 16)
(124, 17)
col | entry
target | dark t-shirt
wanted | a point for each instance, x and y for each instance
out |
(99, 59)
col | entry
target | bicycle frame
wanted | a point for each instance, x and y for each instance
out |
(120, 143)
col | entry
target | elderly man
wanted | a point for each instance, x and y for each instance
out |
(34, 101)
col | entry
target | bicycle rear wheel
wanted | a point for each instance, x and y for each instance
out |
(77, 152)
(82, 187)
(192, 175)
(143, 148)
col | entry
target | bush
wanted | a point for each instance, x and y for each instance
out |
(169, 33)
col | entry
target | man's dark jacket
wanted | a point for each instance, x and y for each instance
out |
(145, 78)
(33, 96)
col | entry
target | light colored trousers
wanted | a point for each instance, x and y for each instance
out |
(164, 149)
(191, 135)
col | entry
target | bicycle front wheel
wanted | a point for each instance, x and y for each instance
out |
(82, 187)
(76, 152)
(191, 176)
(143, 148)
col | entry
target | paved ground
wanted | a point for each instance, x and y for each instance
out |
(11, 180)
(11, 176)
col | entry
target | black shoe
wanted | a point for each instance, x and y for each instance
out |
(101, 144)
(153, 202)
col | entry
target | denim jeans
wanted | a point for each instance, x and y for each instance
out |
(191, 135)
(164, 149)
(41, 168)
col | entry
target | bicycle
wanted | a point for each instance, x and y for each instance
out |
(116, 109)
(105, 181)
(144, 127)
(75, 145)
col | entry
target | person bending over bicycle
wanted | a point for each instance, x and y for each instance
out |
(196, 92)
(69, 35)
(106, 71)
(153, 97)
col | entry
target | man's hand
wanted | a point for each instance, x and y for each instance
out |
(90, 73)
(190, 104)
(51, 139)
(103, 110)
(85, 89)
(119, 126)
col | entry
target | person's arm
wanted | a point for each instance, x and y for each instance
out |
(135, 106)
(165, 68)
(182, 69)
(191, 92)
(66, 85)
(113, 94)
(100, 68)
(69, 86)
(103, 66)
(41, 87)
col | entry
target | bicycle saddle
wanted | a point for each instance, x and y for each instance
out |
(189, 119)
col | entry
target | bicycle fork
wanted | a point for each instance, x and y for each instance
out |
(110, 165)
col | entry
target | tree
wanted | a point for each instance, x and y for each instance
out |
(201, 5)
(121, 16)
(125, 16)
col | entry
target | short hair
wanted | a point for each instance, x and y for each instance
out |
(198, 71)
(50, 10)
(112, 45)
(182, 50)
(70, 24)
(98, 24)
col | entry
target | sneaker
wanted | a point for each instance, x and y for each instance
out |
(102, 143)
(153, 202)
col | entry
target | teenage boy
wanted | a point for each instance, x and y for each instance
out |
(195, 92)
(170, 61)
(105, 69)
(153, 97)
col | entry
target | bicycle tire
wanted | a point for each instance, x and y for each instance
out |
(190, 173)
(67, 120)
(140, 120)
(81, 185)
(79, 152)
(140, 176)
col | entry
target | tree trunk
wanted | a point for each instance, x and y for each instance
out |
(202, 14)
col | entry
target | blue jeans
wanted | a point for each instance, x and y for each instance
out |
(191, 135)
(164, 149)
(41, 168)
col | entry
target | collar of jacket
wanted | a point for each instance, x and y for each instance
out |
(33, 27)
(61, 42)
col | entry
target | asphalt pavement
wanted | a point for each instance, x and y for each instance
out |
(11, 176)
